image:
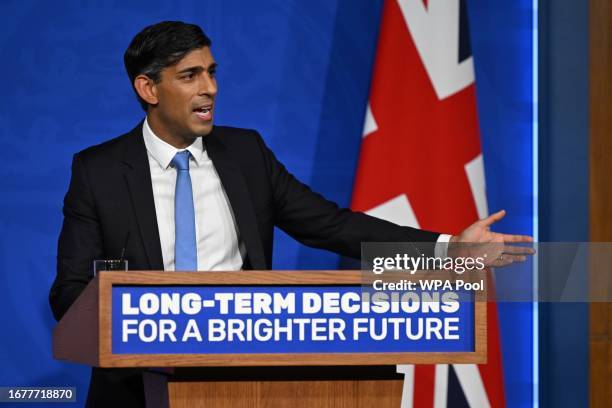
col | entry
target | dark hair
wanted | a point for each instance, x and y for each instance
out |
(159, 46)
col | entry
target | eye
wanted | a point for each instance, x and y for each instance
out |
(212, 73)
(188, 77)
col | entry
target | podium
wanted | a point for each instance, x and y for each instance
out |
(267, 338)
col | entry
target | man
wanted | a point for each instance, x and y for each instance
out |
(177, 193)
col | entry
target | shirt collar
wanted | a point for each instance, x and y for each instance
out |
(163, 152)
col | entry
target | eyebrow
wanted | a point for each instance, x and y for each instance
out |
(197, 69)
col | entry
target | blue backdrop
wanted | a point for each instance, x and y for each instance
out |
(298, 71)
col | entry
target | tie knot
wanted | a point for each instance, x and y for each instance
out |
(181, 160)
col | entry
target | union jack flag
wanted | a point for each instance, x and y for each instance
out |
(421, 165)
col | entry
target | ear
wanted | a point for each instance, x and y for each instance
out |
(146, 88)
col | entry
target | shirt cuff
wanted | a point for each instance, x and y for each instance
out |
(441, 248)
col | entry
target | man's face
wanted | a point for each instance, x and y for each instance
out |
(186, 96)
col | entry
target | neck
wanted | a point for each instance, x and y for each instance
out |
(165, 134)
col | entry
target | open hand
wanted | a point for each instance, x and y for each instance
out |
(479, 241)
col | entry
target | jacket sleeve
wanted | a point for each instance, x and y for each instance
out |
(80, 242)
(315, 221)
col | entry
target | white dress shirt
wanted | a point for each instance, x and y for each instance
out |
(218, 243)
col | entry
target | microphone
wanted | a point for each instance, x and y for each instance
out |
(127, 237)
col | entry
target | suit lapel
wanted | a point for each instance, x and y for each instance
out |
(138, 178)
(240, 200)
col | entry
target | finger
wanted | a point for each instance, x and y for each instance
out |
(514, 258)
(507, 260)
(493, 218)
(517, 250)
(516, 238)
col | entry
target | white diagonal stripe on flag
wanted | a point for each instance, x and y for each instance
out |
(475, 174)
(407, 389)
(471, 384)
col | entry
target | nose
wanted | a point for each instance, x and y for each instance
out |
(208, 85)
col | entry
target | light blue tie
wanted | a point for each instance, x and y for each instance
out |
(185, 250)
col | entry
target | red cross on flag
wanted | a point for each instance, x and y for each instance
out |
(421, 165)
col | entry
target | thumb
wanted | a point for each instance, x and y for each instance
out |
(493, 218)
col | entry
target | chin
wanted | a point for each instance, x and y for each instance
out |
(202, 129)
(205, 130)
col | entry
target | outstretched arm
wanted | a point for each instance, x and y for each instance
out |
(315, 221)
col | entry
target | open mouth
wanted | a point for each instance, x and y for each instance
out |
(204, 112)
